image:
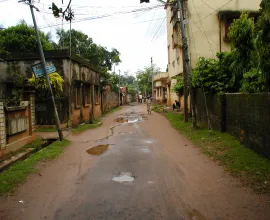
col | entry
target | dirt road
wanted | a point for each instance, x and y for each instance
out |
(148, 172)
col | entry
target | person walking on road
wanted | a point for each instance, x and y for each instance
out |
(140, 98)
(148, 103)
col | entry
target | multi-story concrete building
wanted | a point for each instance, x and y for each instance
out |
(207, 23)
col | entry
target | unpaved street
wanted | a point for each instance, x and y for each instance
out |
(148, 172)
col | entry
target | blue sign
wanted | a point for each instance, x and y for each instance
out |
(39, 71)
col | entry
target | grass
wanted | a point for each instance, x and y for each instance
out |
(86, 127)
(113, 110)
(252, 169)
(45, 130)
(35, 144)
(18, 172)
(158, 108)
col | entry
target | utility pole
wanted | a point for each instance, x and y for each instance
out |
(119, 89)
(152, 77)
(43, 61)
(186, 70)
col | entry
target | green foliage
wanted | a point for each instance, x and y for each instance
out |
(263, 41)
(252, 169)
(21, 38)
(18, 172)
(144, 79)
(179, 86)
(83, 45)
(253, 81)
(213, 74)
(242, 44)
(41, 86)
(86, 127)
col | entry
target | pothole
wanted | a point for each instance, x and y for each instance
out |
(121, 120)
(97, 150)
(124, 177)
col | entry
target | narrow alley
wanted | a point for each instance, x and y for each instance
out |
(147, 171)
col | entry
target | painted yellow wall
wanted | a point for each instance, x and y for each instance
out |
(204, 26)
(203, 30)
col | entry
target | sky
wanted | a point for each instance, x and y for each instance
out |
(138, 35)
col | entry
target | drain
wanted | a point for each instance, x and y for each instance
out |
(123, 178)
(97, 150)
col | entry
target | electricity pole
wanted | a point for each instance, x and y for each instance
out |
(119, 89)
(186, 70)
(152, 77)
(43, 61)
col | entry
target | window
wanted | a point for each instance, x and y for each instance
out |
(87, 98)
(227, 23)
(178, 61)
(96, 94)
(173, 63)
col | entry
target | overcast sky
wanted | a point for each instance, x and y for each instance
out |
(137, 35)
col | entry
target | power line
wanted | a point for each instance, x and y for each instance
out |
(150, 23)
(203, 27)
(214, 11)
(208, 5)
(105, 16)
(159, 28)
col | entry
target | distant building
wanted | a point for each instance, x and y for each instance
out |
(160, 86)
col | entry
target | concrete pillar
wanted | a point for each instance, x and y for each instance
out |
(2, 126)
(32, 108)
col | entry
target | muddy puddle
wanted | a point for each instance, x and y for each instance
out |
(98, 150)
(121, 120)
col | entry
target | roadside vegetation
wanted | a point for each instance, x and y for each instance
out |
(113, 110)
(18, 172)
(241, 162)
(45, 129)
(85, 127)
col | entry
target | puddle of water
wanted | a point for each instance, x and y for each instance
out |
(145, 150)
(149, 142)
(97, 150)
(121, 120)
(123, 177)
(133, 121)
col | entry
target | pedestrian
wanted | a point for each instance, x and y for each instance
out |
(149, 102)
(140, 98)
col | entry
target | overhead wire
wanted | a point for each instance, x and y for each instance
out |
(216, 10)
(106, 15)
(158, 28)
(205, 102)
(203, 28)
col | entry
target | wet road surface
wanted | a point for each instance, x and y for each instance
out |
(135, 167)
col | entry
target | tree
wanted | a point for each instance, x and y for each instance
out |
(84, 46)
(21, 38)
(144, 79)
(241, 33)
(41, 86)
(179, 86)
(263, 41)
(214, 75)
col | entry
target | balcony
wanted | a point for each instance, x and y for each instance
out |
(160, 76)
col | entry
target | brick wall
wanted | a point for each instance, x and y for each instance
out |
(245, 116)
